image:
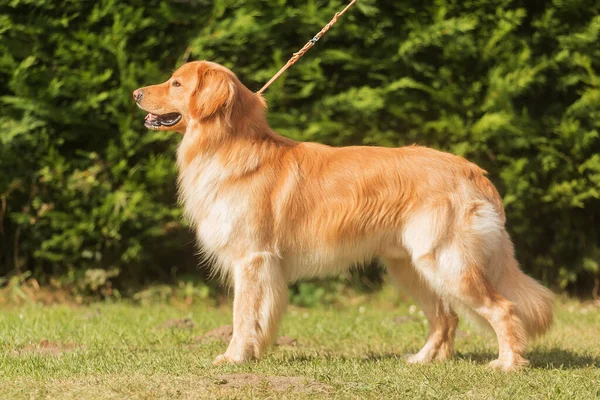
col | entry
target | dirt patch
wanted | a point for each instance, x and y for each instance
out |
(286, 341)
(277, 383)
(222, 333)
(225, 332)
(462, 334)
(402, 319)
(183, 323)
(591, 304)
(96, 313)
(46, 347)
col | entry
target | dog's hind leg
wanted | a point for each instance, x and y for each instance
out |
(465, 269)
(442, 319)
(260, 297)
(468, 288)
(477, 293)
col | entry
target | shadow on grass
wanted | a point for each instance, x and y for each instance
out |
(559, 358)
(552, 358)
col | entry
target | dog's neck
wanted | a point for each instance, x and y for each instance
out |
(241, 146)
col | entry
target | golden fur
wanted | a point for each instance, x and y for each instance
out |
(270, 210)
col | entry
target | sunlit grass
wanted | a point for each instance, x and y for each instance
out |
(123, 350)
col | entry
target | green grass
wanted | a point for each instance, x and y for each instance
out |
(121, 351)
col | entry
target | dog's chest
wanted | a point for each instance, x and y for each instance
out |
(216, 210)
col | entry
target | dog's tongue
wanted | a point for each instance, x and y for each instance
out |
(151, 117)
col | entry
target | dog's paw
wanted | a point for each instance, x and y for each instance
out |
(225, 359)
(429, 354)
(418, 358)
(509, 365)
(222, 359)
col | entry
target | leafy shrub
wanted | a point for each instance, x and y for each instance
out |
(83, 184)
(310, 294)
(511, 85)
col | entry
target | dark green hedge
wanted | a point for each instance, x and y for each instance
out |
(512, 85)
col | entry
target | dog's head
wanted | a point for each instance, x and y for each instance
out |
(198, 90)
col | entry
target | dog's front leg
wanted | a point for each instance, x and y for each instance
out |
(260, 298)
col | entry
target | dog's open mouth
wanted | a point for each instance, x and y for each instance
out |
(154, 121)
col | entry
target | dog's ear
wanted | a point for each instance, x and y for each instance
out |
(215, 93)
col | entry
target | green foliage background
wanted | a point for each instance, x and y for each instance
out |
(511, 85)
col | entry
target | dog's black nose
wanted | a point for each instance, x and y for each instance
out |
(138, 94)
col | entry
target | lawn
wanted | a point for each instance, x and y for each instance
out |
(123, 350)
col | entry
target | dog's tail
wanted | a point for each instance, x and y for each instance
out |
(533, 302)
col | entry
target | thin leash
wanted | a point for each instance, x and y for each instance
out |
(306, 47)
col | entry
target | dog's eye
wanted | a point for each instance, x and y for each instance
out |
(176, 84)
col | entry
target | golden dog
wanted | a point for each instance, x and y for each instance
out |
(270, 210)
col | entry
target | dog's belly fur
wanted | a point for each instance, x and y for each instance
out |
(333, 259)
